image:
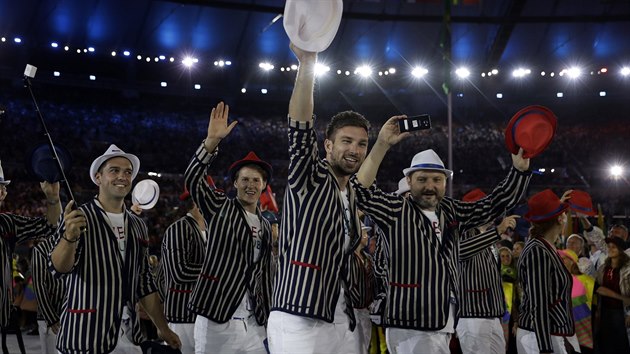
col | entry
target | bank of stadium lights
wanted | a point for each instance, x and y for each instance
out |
(572, 73)
(321, 69)
(419, 72)
(188, 62)
(265, 66)
(625, 71)
(364, 71)
(462, 72)
(616, 171)
(222, 63)
(521, 72)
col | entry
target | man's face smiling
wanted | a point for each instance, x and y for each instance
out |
(347, 150)
(114, 178)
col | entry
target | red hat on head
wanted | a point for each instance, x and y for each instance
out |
(250, 159)
(473, 195)
(581, 202)
(186, 194)
(532, 128)
(544, 206)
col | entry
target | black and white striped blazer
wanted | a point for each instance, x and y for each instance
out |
(50, 291)
(481, 290)
(312, 261)
(229, 268)
(183, 250)
(423, 269)
(15, 229)
(100, 284)
(546, 306)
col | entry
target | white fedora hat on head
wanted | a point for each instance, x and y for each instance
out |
(403, 186)
(146, 194)
(114, 151)
(2, 180)
(312, 24)
(427, 160)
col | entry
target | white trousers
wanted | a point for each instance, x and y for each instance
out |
(289, 334)
(363, 331)
(186, 334)
(400, 340)
(47, 339)
(234, 336)
(526, 343)
(481, 335)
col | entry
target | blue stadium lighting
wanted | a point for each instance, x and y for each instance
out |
(54, 44)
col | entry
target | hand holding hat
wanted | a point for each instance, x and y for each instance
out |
(532, 129)
(145, 194)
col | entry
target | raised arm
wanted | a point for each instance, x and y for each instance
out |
(301, 103)
(389, 136)
(52, 201)
(63, 255)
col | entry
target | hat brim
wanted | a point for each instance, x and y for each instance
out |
(324, 18)
(582, 210)
(530, 112)
(239, 164)
(410, 170)
(43, 165)
(99, 161)
(402, 191)
(541, 218)
(142, 200)
(4, 183)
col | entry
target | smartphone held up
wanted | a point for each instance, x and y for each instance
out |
(413, 123)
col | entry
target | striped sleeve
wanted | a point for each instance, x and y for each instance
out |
(536, 280)
(303, 158)
(504, 197)
(23, 227)
(176, 253)
(49, 291)
(473, 244)
(77, 253)
(207, 199)
(147, 284)
(383, 208)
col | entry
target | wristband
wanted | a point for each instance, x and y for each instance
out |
(69, 240)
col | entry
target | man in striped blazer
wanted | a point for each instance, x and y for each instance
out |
(183, 249)
(16, 229)
(231, 296)
(102, 250)
(312, 309)
(50, 293)
(423, 231)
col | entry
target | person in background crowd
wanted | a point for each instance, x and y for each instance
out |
(576, 244)
(51, 293)
(16, 229)
(183, 250)
(545, 312)
(582, 301)
(613, 276)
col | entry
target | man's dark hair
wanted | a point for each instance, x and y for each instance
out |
(256, 167)
(346, 119)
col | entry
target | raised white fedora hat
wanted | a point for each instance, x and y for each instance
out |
(403, 186)
(145, 194)
(427, 160)
(312, 24)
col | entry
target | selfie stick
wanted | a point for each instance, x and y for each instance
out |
(29, 73)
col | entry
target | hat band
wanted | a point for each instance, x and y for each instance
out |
(151, 199)
(575, 206)
(428, 165)
(548, 215)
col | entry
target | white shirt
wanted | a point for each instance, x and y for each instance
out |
(256, 229)
(117, 223)
(346, 219)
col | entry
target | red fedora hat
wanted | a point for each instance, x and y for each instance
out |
(581, 202)
(531, 128)
(250, 159)
(473, 195)
(544, 206)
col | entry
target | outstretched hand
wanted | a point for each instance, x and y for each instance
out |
(218, 127)
(390, 132)
(566, 196)
(520, 163)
